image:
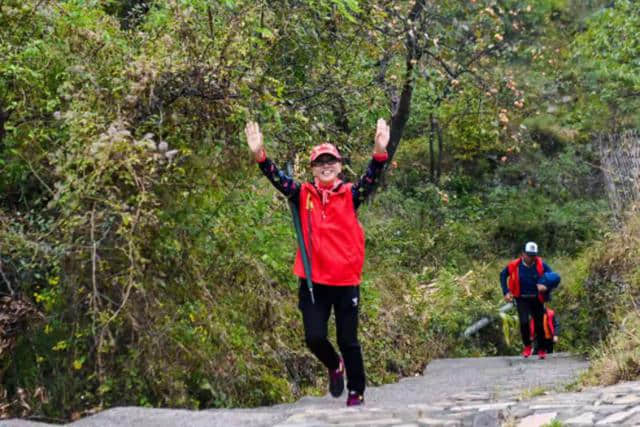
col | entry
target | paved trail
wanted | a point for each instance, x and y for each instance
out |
(476, 392)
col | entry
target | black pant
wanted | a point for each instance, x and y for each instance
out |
(345, 301)
(534, 308)
(548, 345)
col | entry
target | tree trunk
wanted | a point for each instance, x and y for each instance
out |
(432, 159)
(4, 117)
(439, 162)
(401, 107)
(399, 119)
(400, 116)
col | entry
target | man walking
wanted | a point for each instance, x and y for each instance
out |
(522, 279)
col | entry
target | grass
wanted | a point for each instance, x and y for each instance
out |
(531, 393)
(613, 290)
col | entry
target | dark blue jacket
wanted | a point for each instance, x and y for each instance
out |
(529, 278)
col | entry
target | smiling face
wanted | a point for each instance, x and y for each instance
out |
(326, 168)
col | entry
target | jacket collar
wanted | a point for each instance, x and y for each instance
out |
(338, 189)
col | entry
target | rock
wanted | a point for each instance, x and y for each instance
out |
(604, 409)
(484, 407)
(439, 422)
(618, 417)
(521, 412)
(631, 399)
(586, 418)
(486, 419)
(171, 154)
(537, 420)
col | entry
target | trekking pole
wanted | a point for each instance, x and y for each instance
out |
(485, 321)
(303, 249)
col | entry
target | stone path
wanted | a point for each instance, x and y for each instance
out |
(494, 391)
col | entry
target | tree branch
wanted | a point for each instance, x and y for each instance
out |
(6, 280)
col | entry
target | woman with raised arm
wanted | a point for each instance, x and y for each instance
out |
(334, 243)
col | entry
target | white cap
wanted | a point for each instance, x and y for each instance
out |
(531, 248)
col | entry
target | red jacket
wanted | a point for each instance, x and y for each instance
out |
(548, 324)
(336, 244)
(514, 280)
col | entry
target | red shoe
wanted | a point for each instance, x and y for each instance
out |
(526, 352)
(355, 399)
(542, 354)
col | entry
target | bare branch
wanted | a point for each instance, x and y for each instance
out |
(6, 280)
(36, 174)
(442, 63)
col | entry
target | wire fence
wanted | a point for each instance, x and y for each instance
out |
(620, 160)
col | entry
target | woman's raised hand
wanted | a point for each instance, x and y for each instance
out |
(254, 139)
(382, 137)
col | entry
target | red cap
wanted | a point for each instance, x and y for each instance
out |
(325, 148)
